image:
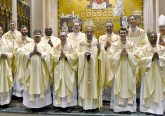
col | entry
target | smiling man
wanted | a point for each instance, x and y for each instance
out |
(124, 56)
(76, 36)
(153, 81)
(13, 34)
(65, 67)
(106, 41)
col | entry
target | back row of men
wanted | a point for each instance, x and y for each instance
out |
(77, 65)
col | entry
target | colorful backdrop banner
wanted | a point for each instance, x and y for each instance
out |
(99, 11)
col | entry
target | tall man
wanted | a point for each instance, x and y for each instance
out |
(49, 38)
(123, 59)
(12, 35)
(37, 88)
(106, 41)
(153, 81)
(65, 61)
(19, 61)
(6, 79)
(88, 77)
(139, 38)
(76, 36)
(136, 34)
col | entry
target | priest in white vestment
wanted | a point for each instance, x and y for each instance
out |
(135, 33)
(106, 40)
(19, 62)
(76, 36)
(49, 38)
(153, 81)
(13, 34)
(65, 67)
(89, 81)
(37, 86)
(6, 79)
(124, 57)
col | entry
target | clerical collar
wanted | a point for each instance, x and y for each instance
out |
(36, 43)
(134, 28)
(109, 34)
(24, 37)
(154, 45)
(123, 42)
(48, 36)
(13, 31)
(76, 33)
(63, 43)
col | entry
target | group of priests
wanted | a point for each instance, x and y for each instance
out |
(76, 68)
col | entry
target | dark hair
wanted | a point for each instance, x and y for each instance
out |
(149, 34)
(48, 28)
(24, 26)
(37, 31)
(123, 29)
(132, 16)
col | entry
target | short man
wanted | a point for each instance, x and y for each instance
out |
(123, 59)
(12, 35)
(106, 41)
(6, 79)
(65, 60)
(19, 59)
(153, 81)
(161, 35)
(89, 82)
(76, 36)
(136, 34)
(49, 38)
(139, 38)
(37, 88)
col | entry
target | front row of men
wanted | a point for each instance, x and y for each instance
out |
(81, 71)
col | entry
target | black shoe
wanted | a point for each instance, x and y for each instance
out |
(87, 111)
(69, 110)
(147, 113)
(128, 112)
(20, 100)
(81, 110)
(43, 109)
(35, 110)
(5, 106)
(57, 109)
(96, 110)
(120, 112)
(28, 110)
